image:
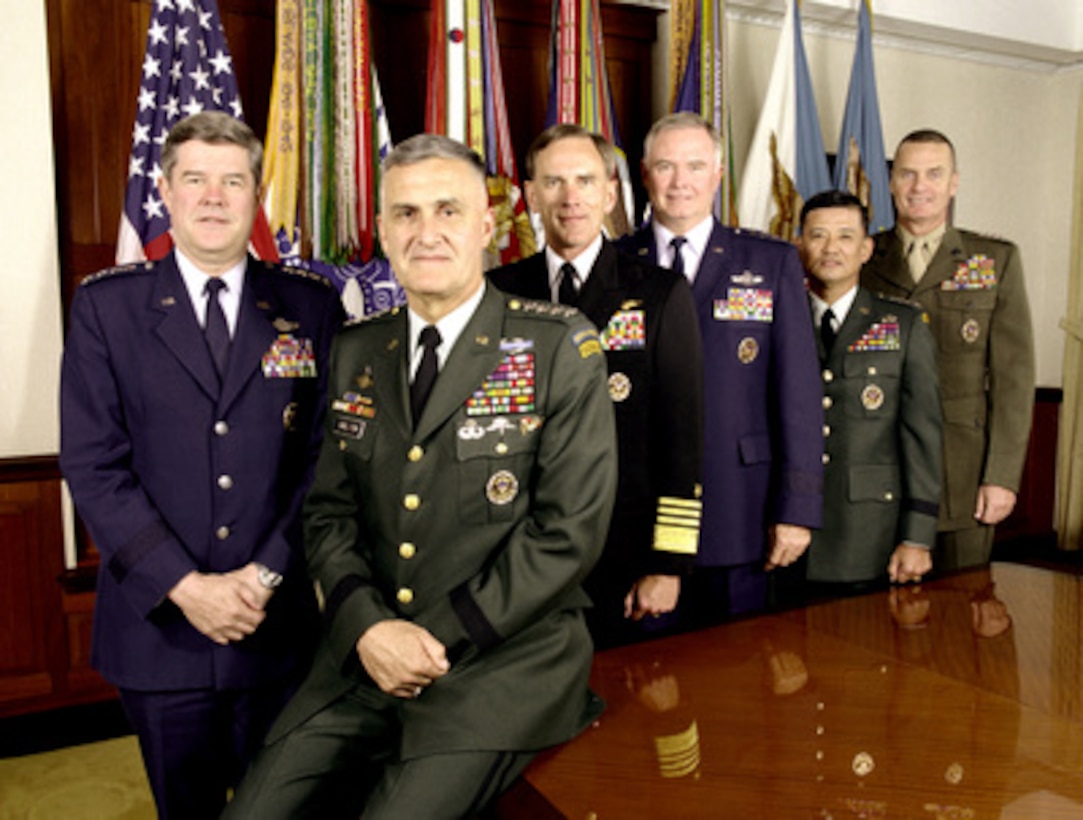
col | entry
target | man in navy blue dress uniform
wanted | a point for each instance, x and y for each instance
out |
(762, 470)
(191, 410)
(648, 330)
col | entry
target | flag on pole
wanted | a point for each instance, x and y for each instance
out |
(697, 60)
(327, 134)
(466, 102)
(860, 164)
(786, 162)
(579, 90)
(187, 69)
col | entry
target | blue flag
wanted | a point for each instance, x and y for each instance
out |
(860, 164)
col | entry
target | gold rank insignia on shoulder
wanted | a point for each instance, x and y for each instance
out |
(540, 308)
(119, 269)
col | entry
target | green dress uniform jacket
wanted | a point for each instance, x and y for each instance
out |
(881, 441)
(478, 525)
(974, 293)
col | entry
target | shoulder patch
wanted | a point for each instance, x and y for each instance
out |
(587, 342)
(118, 270)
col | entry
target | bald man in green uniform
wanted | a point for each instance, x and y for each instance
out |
(972, 287)
(462, 494)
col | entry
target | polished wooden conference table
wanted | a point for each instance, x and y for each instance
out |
(959, 699)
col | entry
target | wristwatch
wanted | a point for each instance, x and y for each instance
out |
(267, 577)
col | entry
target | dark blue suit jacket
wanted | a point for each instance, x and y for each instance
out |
(763, 443)
(172, 473)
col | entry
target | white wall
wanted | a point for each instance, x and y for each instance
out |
(30, 322)
(1013, 123)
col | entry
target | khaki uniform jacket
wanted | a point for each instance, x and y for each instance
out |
(881, 441)
(974, 294)
(477, 525)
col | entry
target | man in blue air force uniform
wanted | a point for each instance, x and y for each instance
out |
(762, 472)
(461, 496)
(190, 427)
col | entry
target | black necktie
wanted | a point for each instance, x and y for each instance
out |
(566, 290)
(827, 332)
(426, 371)
(216, 330)
(677, 243)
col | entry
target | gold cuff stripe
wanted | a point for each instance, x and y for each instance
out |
(686, 503)
(687, 523)
(681, 540)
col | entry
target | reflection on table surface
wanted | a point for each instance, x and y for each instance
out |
(961, 698)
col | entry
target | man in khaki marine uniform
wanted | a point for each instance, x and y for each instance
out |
(972, 288)
(462, 494)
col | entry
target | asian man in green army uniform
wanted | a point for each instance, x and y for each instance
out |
(882, 422)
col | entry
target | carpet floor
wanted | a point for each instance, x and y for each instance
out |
(93, 781)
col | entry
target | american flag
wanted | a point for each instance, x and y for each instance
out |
(186, 69)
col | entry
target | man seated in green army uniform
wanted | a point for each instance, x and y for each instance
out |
(882, 417)
(462, 494)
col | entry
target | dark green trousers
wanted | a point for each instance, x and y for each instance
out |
(342, 763)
